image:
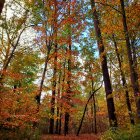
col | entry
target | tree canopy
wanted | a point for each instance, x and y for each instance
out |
(69, 67)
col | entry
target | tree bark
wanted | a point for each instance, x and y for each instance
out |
(124, 83)
(67, 115)
(58, 103)
(1, 5)
(106, 78)
(54, 71)
(133, 75)
(62, 97)
(94, 108)
(51, 129)
(48, 45)
(93, 105)
(38, 96)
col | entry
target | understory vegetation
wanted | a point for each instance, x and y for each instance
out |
(69, 68)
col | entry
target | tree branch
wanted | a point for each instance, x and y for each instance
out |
(108, 5)
(85, 109)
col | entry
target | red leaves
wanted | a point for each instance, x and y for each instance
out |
(17, 109)
(12, 75)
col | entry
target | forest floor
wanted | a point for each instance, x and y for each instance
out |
(71, 137)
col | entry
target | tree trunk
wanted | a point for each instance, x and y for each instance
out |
(107, 83)
(60, 124)
(54, 71)
(94, 108)
(134, 58)
(62, 97)
(66, 125)
(81, 122)
(124, 83)
(51, 129)
(93, 105)
(57, 122)
(48, 46)
(133, 75)
(38, 96)
(92, 115)
(7, 62)
(67, 115)
(58, 103)
(1, 5)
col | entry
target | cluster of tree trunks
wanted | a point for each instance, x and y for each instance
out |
(104, 67)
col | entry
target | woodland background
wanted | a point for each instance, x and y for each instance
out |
(70, 67)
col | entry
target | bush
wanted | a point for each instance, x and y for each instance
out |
(133, 133)
(27, 133)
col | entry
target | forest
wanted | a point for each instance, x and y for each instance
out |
(69, 70)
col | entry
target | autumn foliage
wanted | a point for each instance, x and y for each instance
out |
(69, 68)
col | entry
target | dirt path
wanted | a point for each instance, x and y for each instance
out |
(70, 137)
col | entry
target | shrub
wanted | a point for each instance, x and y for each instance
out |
(133, 133)
(26, 133)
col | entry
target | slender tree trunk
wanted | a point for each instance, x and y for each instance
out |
(54, 72)
(57, 122)
(51, 129)
(81, 122)
(124, 83)
(48, 46)
(107, 83)
(66, 125)
(92, 114)
(60, 124)
(1, 5)
(133, 75)
(14, 88)
(62, 97)
(135, 62)
(38, 96)
(7, 62)
(67, 115)
(94, 108)
(58, 103)
(93, 105)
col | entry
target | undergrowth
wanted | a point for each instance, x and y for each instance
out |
(132, 133)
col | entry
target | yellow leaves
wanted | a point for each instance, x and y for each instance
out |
(55, 117)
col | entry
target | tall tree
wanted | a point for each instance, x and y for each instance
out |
(104, 67)
(124, 82)
(54, 70)
(12, 30)
(67, 115)
(133, 74)
(47, 40)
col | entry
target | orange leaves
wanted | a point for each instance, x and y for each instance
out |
(69, 20)
(12, 75)
(4, 115)
(101, 113)
(78, 101)
(17, 109)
